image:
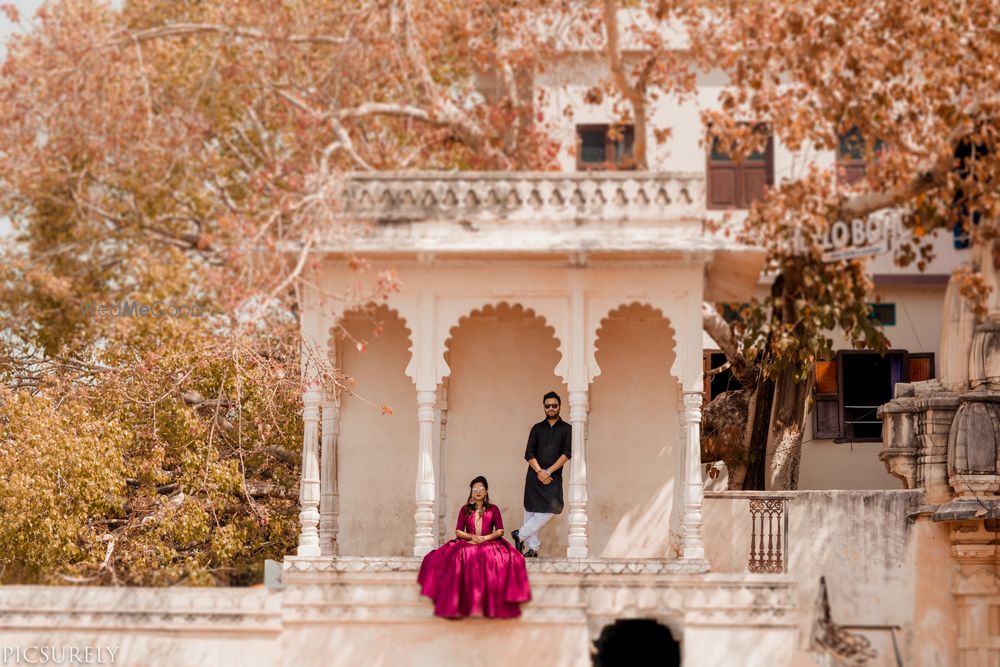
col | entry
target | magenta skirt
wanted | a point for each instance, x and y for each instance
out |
(465, 579)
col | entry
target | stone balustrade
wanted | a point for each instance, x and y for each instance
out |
(528, 196)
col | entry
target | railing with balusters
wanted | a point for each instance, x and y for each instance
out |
(768, 535)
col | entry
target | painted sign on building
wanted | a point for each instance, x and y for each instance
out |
(860, 237)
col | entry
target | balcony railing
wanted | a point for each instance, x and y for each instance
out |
(768, 535)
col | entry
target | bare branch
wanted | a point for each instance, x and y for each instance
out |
(187, 29)
(720, 331)
(927, 179)
(635, 96)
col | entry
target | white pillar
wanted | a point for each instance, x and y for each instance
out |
(577, 541)
(329, 500)
(693, 546)
(442, 498)
(680, 473)
(309, 488)
(424, 541)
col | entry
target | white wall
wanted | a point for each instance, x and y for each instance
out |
(632, 449)
(377, 453)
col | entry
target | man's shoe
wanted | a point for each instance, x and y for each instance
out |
(518, 542)
(531, 553)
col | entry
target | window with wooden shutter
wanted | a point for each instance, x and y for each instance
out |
(851, 155)
(734, 184)
(850, 388)
(605, 147)
(920, 367)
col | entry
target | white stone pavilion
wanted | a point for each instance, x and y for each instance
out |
(513, 285)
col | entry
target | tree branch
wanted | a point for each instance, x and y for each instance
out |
(187, 29)
(929, 178)
(720, 331)
(635, 96)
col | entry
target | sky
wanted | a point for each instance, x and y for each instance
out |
(26, 8)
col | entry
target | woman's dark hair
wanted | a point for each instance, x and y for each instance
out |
(552, 394)
(470, 505)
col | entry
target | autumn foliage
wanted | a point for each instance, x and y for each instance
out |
(184, 154)
(187, 153)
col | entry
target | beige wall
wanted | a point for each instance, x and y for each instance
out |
(501, 362)
(633, 439)
(377, 453)
(437, 642)
(843, 465)
(881, 568)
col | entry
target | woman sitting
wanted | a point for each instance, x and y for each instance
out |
(478, 573)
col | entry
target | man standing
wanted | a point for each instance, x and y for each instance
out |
(549, 448)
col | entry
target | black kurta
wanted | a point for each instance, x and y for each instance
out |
(546, 444)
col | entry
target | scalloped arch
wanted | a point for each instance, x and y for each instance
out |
(594, 335)
(331, 331)
(444, 369)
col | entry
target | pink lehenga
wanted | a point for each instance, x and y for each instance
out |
(466, 579)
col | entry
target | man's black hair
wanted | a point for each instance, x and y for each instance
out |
(551, 394)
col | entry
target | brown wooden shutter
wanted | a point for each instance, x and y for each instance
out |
(920, 366)
(755, 181)
(827, 413)
(722, 185)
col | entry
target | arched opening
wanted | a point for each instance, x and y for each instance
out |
(639, 641)
(501, 359)
(633, 441)
(376, 453)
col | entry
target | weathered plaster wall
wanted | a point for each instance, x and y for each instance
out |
(632, 450)
(880, 568)
(377, 453)
(165, 627)
(934, 633)
(501, 362)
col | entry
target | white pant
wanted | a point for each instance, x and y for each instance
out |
(533, 522)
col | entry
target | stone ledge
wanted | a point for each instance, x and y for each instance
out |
(365, 589)
(90, 608)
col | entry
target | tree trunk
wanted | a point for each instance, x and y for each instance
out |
(763, 399)
(789, 423)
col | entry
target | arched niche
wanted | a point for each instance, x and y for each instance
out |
(681, 308)
(500, 359)
(451, 310)
(633, 447)
(377, 462)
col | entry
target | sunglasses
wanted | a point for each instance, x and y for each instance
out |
(551, 406)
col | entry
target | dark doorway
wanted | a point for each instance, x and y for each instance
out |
(632, 642)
